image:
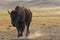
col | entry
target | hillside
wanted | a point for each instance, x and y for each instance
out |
(32, 3)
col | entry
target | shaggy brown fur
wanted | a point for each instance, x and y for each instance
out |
(20, 17)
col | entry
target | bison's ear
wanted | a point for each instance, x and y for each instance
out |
(8, 12)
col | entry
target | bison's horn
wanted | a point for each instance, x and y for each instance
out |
(8, 12)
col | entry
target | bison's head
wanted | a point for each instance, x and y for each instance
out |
(13, 16)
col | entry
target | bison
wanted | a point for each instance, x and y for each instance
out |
(20, 17)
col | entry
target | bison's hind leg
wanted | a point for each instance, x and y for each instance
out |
(28, 31)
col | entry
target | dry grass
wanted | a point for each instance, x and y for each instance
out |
(48, 26)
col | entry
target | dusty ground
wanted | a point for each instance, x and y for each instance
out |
(41, 28)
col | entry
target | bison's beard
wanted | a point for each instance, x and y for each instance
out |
(13, 24)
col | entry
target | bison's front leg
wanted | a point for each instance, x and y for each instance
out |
(19, 32)
(21, 29)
